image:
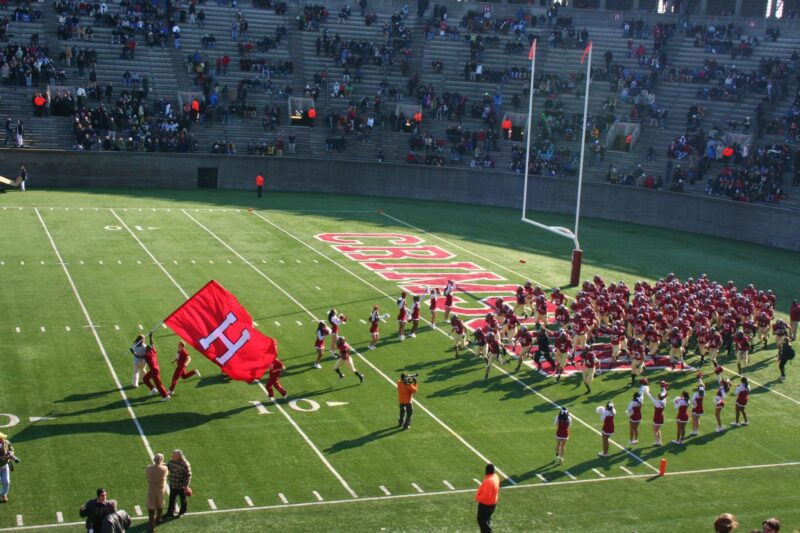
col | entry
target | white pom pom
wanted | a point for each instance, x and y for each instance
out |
(599, 409)
(385, 316)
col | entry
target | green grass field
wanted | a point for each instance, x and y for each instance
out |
(128, 260)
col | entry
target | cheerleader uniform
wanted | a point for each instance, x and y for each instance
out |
(562, 428)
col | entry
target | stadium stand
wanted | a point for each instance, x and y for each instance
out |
(685, 81)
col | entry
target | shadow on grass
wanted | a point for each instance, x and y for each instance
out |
(364, 439)
(156, 424)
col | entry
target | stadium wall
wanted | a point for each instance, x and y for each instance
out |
(761, 224)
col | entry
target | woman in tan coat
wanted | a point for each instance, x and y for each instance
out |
(156, 489)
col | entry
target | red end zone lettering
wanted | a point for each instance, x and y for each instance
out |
(352, 238)
(368, 253)
(420, 266)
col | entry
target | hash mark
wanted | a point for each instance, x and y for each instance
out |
(138, 262)
(18, 330)
(299, 323)
(42, 262)
(174, 262)
(317, 495)
(42, 329)
(544, 479)
(211, 261)
(569, 475)
(138, 510)
(116, 327)
(212, 504)
(318, 288)
(277, 323)
(67, 328)
(417, 487)
(297, 260)
(119, 262)
(22, 262)
(477, 481)
(385, 490)
(19, 516)
(282, 497)
(193, 261)
(599, 473)
(282, 261)
(626, 470)
(363, 321)
(81, 262)
(229, 261)
(248, 501)
(101, 262)
(59, 515)
(448, 485)
(140, 327)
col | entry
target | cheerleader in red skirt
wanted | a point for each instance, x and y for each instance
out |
(682, 405)
(402, 316)
(448, 298)
(414, 316)
(319, 343)
(607, 414)
(433, 304)
(697, 405)
(659, 403)
(742, 393)
(335, 319)
(719, 400)
(563, 422)
(634, 411)
(374, 323)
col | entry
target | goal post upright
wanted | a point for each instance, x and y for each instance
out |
(577, 252)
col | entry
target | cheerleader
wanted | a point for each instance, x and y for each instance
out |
(335, 320)
(374, 322)
(607, 414)
(448, 298)
(719, 400)
(459, 334)
(658, 413)
(742, 393)
(414, 316)
(563, 421)
(634, 411)
(697, 406)
(589, 365)
(319, 344)
(432, 304)
(401, 316)
(682, 405)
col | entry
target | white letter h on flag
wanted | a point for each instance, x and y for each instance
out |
(219, 333)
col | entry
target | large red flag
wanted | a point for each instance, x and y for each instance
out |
(586, 52)
(217, 325)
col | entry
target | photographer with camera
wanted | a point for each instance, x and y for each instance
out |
(406, 387)
(7, 461)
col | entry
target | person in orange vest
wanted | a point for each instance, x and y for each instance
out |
(259, 184)
(487, 499)
(506, 127)
(418, 117)
(312, 113)
(406, 388)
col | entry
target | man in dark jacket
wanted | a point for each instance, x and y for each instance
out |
(117, 521)
(542, 348)
(94, 511)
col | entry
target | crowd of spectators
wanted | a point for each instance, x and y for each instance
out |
(26, 65)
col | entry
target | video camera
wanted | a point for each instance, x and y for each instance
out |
(409, 379)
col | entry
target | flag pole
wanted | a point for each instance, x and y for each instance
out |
(528, 131)
(577, 253)
(155, 327)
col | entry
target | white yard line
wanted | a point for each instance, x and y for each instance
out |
(412, 495)
(281, 409)
(525, 277)
(122, 393)
(367, 361)
(209, 209)
(501, 369)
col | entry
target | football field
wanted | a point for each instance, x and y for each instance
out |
(84, 272)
